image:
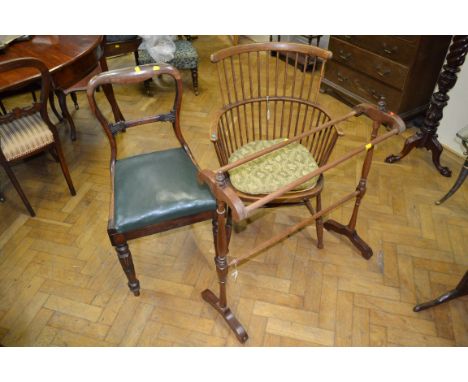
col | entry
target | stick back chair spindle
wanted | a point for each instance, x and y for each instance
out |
(152, 192)
(27, 131)
(269, 92)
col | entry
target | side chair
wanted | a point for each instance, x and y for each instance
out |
(185, 58)
(152, 192)
(27, 131)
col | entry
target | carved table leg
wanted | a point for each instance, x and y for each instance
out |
(220, 235)
(461, 178)
(427, 137)
(63, 106)
(75, 100)
(109, 93)
(412, 142)
(460, 290)
(2, 108)
(126, 261)
(52, 106)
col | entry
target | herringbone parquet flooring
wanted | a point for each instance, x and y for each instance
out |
(61, 284)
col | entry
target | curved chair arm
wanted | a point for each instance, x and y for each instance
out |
(216, 180)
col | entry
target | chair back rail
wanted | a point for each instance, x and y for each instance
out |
(46, 81)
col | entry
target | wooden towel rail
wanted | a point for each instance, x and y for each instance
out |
(228, 202)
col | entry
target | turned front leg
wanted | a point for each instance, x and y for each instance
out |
(126, 261)
(221, 249)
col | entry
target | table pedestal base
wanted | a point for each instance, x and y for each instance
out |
(429, 142)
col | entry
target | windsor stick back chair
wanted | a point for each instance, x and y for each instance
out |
(269, 93)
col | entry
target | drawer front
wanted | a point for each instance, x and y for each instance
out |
(378, 67)
(363, 86)
(390, 47)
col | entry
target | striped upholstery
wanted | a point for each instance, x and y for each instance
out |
(23, 136)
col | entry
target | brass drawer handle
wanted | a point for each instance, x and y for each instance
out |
(389, 50)
(358, 85)
(381, 71)
(341, 78)
(374, 94)
(344, 56)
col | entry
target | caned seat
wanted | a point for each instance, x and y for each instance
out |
(185, 58)
(156, 187)
(23, 136)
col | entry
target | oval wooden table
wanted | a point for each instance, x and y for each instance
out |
(70, 59)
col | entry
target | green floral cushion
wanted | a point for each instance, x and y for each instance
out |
(274, 170)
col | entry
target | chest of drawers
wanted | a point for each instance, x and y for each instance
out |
(403, 69)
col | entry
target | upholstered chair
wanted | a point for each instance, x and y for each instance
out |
(25, 132)
(185, 58)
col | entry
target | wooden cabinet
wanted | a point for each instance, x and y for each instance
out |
(403, 69)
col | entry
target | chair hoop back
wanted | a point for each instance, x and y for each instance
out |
(278, 69)
(270, 91)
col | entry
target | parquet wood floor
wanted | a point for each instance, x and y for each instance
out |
(61, 284)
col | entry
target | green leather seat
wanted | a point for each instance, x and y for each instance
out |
(156, 187)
